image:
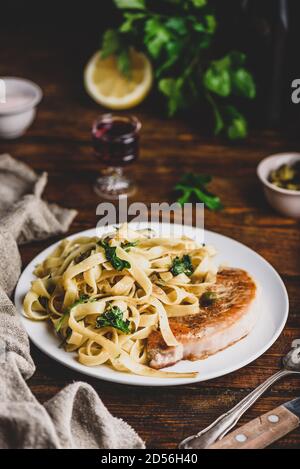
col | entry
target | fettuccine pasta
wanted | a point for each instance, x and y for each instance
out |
(104, 296)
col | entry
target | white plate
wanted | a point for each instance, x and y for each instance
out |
(274, 305)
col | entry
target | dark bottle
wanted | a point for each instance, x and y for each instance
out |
(266, 29)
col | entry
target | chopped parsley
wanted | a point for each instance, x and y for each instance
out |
(111, 256)
(113, 317)
(128, 244)
(208, 298)
(182, 266)
(81, 300)
(193, 187)
(82, 256)
(68, 335)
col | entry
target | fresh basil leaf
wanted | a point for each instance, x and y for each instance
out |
(130, 4)
(123, 61)
(218, 81)
(211, 23)
(173, 50)
(130, 19)
(237, 125)
(219, 121)
(178, 25)
(243, 83)
(173, 89)
(156, 36)
(110, 43)
(199, 3)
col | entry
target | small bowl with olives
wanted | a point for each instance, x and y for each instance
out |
(280, 176)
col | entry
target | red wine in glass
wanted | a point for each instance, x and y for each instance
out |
(116, 144)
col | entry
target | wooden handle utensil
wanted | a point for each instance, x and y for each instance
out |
(260, 432)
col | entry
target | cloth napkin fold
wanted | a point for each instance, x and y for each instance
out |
(75, 417)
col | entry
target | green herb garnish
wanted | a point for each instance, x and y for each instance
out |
(128, 244)
(208, 298)
(81, 300)
(113, 317)
(113, 43)
(82, 256)
(64, 341)
(193, 186)
(179, 37)
(182, 266)
(111, 256)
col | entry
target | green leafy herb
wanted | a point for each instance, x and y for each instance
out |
(236, 123)
(179, 37)
(182, 266)
(113, 44)
(225, 77)
(130, 4)
(64, 341)
(208, 298)
(82, 256)
(194, 186)
(113, 317)
(128, 244)
(199, 3)
(111, 256)
(63, 319)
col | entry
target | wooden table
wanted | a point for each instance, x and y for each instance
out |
(59, 143)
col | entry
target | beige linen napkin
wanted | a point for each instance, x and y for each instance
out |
(75, 417)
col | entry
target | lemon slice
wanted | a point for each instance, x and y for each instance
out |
(109, 87)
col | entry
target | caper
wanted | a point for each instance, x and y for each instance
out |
(208, 298)
(286, 177)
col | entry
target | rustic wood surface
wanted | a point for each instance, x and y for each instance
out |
(59, 143)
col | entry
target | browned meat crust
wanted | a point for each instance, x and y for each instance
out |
(215, 327)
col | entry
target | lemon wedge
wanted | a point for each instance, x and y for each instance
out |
(109, 87)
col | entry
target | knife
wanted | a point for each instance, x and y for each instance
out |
(264, 430)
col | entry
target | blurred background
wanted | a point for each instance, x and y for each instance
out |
(267, 31)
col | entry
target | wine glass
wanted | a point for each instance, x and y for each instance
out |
(116, 143)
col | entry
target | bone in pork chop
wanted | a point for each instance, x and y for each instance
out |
(229, 318)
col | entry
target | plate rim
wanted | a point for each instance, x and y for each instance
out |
(155, 382)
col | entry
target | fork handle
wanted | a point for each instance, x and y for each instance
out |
(220, 427)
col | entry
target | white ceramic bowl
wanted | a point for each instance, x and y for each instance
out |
(284, 201)
(18, 105)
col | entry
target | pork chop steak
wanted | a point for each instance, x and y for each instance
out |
(228, 319)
